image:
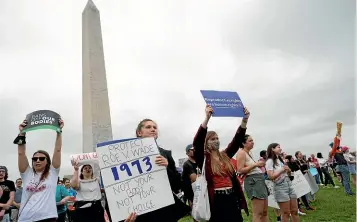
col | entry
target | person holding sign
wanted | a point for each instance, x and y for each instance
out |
(148, 128)
(254, 182)
(40, 181)
(224, 190)
(284, 193)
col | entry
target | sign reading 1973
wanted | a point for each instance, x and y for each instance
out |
(132, 180)
(136, 164)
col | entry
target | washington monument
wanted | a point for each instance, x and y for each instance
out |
(96, 119)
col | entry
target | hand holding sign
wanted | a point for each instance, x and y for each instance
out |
(209, 111)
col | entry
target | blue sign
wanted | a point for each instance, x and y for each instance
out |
(224, 103)
(313, 171)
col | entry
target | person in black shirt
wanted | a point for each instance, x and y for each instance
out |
(343, 168)
(189, 174)
(8, 195)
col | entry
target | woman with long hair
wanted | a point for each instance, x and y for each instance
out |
(324, 169)
(285, 195)
(254, 182)
(224, 190)
(38, 201)
(88, 200)
(148, 128)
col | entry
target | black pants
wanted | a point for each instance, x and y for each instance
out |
(92, 213)
(226, 209)
(47, 220)
(328, 178)
(320, 175)
(61, 217)
(304, 200)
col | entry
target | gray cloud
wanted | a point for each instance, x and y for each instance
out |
(292, 63)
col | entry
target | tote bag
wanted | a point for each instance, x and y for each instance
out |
(200, 207)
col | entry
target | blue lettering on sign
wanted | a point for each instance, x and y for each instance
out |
(125, 167)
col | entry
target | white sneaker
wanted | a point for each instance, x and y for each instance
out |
(321, 184)
(336, 187)
(301, 213)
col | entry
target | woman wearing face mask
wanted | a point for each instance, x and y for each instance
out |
(284, 193)
(40, 181)
(254, 182)
(224, 190)
(148, 128)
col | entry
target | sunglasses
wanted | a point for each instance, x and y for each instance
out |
(34, 159)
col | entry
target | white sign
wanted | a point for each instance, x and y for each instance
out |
(312, 182)
(87, 158)
(132, 180)
(271, 198)
(300, 185)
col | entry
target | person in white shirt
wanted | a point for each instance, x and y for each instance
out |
(324, 168)
(284, 193)
(39, 181)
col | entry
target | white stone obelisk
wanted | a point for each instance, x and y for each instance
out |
(97, 125)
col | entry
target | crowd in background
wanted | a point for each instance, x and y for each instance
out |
(44, 197)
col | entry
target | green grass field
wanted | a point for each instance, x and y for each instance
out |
(332, 205)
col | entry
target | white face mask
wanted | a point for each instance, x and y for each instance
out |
(214, 145)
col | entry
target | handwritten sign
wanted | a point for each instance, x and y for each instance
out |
(87, 158)
(223, 103)
(132, 180)
(311, 182)
(271, 198)
(42, 119)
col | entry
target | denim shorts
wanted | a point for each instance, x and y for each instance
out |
(255, 187)
(284, 191)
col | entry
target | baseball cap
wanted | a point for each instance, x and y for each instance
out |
(188, 147)
(3, 168)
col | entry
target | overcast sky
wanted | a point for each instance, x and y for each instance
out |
(292, 63)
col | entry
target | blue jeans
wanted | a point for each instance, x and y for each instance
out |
(345, 173)
(317, 178)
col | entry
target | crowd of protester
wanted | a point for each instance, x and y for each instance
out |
(39, 195)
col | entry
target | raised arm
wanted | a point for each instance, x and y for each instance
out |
(74, 181)
(336, 144)
(56, 159)
(200, 137)
(239, 136)
(20, 140)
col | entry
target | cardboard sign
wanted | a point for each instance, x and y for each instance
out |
(313, 171)
(42, 119)
(132, 180)
(300, 184)
(224, 103)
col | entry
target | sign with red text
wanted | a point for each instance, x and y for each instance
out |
(132, 180)
(87, 158)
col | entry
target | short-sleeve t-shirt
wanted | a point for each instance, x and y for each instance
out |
(61, 192)
(188, 168)
(38, 197)
(269, 165)
(7, 186)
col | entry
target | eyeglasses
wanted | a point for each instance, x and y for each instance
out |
(34, 159)
(2, 171)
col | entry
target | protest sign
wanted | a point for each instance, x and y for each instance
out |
(313, 171)
(42, 119)
(300, 184)
(87, 158)
(132, 180)
(271, 198)
(312, 182)
(224, 103)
